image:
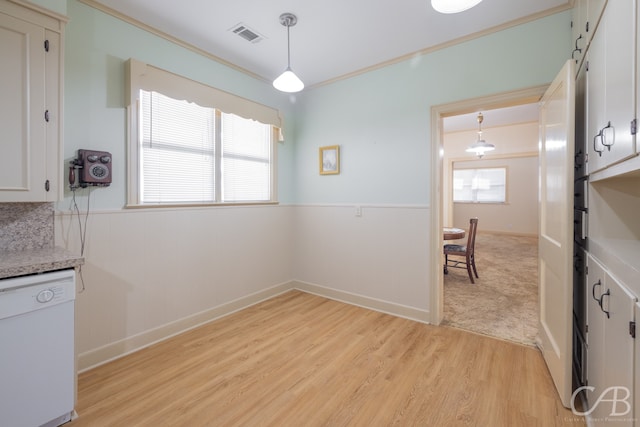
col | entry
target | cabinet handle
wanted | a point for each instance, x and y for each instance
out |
(577, 49)
(606, 294)
(604, 136)
(598, 135)
(593, 290)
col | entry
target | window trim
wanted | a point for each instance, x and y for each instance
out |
(142, 76)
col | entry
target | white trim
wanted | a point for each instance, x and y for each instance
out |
(369, 303)
(99, 356)
(112, 351)
(505, 99)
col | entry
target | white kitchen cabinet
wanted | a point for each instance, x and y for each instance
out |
(31, 48)
(578, 31)
(596, 360)
(594, 13)
(610, 64)
(636, 410)
(584, 21)
(610, 360)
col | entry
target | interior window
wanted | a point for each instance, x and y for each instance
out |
(480, 185)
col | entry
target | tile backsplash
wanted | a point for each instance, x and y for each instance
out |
(26, 226)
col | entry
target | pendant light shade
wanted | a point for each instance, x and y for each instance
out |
(480, 146)
(453, 6)
(288, 81)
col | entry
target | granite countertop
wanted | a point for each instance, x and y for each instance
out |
(30, 261)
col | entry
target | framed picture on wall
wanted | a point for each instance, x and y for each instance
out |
(329, 157)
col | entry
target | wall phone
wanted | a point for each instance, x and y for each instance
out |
(93, 168)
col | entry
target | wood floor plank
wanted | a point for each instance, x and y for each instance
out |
(303, 360)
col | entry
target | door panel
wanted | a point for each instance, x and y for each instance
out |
(618, 345)
(595, 336)
(557, 118)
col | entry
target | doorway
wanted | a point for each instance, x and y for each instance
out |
(443, 211)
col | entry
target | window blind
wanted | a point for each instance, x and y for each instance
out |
(479, 185)
(190, 143)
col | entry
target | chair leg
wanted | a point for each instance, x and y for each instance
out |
(446, 261)
(473, 264)
(469, 269)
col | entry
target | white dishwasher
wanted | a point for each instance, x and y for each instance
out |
(37, 357)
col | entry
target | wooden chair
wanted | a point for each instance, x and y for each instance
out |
(466, 251)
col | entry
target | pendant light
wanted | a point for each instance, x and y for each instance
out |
(480, 146)
(453, 6)
(288, 81)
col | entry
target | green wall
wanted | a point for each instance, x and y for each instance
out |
(381, 119)
(97, 46)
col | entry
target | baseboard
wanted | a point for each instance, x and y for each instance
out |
(398, 310)
(507, 233)
(107, 353)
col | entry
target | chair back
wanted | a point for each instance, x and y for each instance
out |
(471, 242)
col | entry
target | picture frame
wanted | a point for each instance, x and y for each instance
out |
(329, 160)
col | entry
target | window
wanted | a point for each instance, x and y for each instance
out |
(193, 144)
(480, 185)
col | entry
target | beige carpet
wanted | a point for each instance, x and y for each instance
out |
(503, 302)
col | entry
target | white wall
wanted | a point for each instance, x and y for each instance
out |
(519, 214)
(516, 149)
(153, 272)
(378, 259)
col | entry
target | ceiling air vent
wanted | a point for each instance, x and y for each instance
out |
(247, 33)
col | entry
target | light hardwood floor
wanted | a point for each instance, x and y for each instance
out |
(303, 360)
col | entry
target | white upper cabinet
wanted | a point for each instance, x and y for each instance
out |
(584, 20)
(31, 103)
(611, 86)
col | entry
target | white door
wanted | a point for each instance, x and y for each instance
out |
(557, 118)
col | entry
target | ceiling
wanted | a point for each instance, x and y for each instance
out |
(332, 39)
(525, 113)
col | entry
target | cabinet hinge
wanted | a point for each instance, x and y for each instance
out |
(586, 329)
(47, 186)
(586, 66)
(632, 329)
(634, 126)
(46, 45)
(586, 27)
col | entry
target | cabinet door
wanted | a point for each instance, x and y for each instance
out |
(619, 303)
(636, 410)
(594, 12)
(595, 337)
(22, 107)
(582, 104)
(578, 33)
(611, 65)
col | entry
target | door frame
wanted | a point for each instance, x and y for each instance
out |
(438, 112)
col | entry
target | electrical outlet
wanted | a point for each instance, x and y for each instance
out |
(358, 210)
